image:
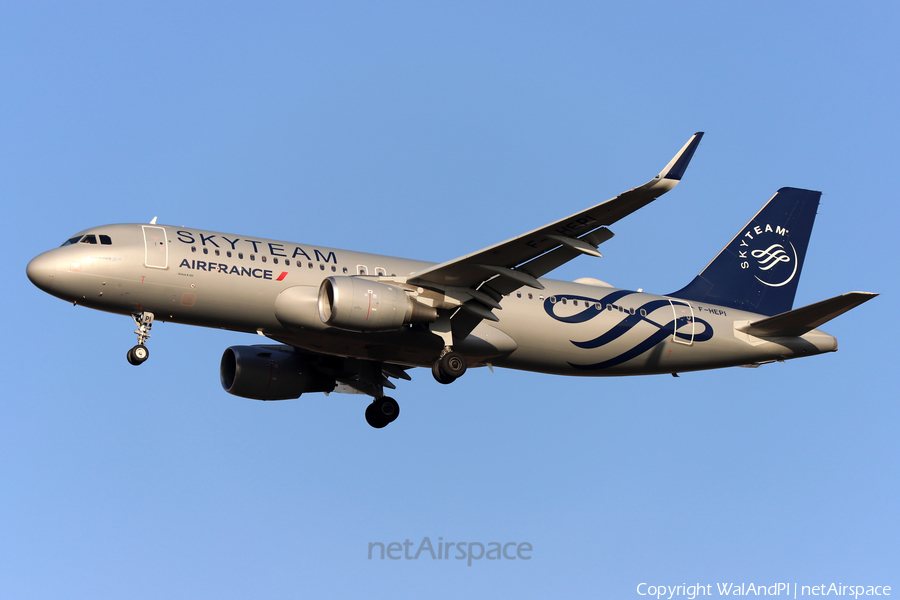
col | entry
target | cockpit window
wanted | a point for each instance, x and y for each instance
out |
(88, 239)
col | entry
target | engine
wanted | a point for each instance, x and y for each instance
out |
(269, 373)
(358, 304)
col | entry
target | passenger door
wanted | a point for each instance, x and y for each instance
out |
(156, 247)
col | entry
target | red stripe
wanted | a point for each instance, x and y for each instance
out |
(282, 276)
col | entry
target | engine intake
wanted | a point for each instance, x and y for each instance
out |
(269, 373)
(358, 304)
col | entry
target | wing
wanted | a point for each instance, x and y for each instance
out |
(486, 275)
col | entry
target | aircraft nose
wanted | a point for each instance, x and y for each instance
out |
(40, 271)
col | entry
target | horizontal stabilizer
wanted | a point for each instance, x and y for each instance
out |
(800, 320)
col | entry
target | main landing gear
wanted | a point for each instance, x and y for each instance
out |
(371, 378)
(382, 411)
(449, 367)
(446, 369)
(139, 353)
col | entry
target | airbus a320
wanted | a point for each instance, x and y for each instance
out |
(346, 321)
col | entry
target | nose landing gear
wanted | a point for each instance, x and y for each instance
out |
(139, 353)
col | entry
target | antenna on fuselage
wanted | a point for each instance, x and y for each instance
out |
(153, 222)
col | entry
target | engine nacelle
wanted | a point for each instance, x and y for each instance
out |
(358, 304)
(267, 373)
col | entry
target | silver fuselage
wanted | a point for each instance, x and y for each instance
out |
(211, 279)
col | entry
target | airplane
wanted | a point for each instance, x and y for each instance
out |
(350, 322)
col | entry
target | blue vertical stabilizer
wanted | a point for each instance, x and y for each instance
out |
(759, 269)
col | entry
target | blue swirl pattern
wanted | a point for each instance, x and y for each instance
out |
(594, 308)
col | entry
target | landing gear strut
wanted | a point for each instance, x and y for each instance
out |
(449, 367)
(382, 411)
(138, 354)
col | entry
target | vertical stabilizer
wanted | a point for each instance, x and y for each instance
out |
(759, 269)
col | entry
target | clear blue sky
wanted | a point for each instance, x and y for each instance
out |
(430, 131)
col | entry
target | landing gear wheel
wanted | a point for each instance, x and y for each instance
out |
(388, 408)
(382, 411)
(439, 375)
(138, 355)
(449, 367)
(453, 364)
(373, 418)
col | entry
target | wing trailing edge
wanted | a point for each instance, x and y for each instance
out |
(536, 253)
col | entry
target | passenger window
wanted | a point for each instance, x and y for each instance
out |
(104, 239)
(89, 239)
(193, 248)
(530, 297)
(206, 251)
(333, 269)
(274, 260)
(217, 253)
(609, 307)
(575, 302)
(228, 253)
(310, 265)
(643, 313)
(241, 255)
(252, 257)
(299, 264)
(345, 270)
(263, 258)
(321, 267)
(518, 294)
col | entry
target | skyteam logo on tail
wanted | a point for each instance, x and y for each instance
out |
(765, 249)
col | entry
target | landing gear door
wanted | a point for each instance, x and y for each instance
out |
(683, 325)
(156, 247)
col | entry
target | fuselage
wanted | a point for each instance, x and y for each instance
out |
(213, 279)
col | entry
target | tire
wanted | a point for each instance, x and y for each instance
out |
(453, 364)
(130, 357)
(439, 375)
(388, 408)
(374, 418)
(139, 354)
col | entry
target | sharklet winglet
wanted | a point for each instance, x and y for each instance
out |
(678, 165)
